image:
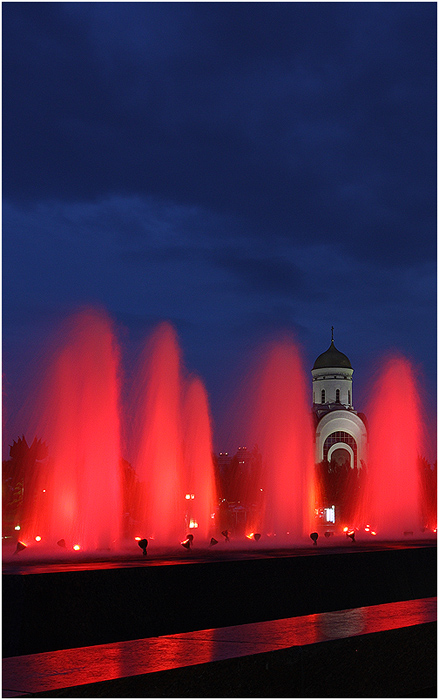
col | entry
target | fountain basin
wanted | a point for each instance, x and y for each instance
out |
(109, 601)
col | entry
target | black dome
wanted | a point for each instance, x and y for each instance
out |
(332, 358)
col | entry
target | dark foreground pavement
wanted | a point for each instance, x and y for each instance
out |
(317, 625)
(377, 651)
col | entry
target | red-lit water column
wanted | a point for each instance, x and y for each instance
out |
(173, 454)
(283, 430)
(157, 437)
(76, 496)
(390, 503)
(199, 478)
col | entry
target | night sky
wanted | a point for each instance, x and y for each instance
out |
(239, 169)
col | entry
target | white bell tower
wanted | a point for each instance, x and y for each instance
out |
(332, 378)
(341, 433)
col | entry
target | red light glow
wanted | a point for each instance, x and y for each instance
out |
(78, 414)
(391, 496)
(172, 442)
(37, 538)
(279, 422)
(76, 547)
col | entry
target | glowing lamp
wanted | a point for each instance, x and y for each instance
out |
(76, 547)
(250, 536)
(345, 529)
(193, 523)
(372, 532)
(20, 547)
(137, 539)
(186, 544)
(143, 545)
(187, 497)
(37, 538)
(351, 534)
(17, 527)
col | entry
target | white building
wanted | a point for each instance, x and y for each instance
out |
(340, 432)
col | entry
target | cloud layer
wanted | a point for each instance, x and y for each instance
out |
(238, 168)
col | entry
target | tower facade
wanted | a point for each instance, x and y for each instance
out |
(340, 432)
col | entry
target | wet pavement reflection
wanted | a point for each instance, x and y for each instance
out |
(72, 667)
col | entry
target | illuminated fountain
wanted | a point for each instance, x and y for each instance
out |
(173, 453)
(199, 478)
(389, 502)
(75, 496)
(157, 436)
(281, 425)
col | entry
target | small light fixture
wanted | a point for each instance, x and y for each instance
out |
(20, 547)
(143, 545)
(257, 536)
(314, 536)
(187, 543)
(213, 541)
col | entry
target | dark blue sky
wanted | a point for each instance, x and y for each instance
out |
(239, 169)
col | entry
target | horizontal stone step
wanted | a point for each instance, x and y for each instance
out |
(389, 647)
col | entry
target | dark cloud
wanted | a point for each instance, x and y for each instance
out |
(273, 274)
(233, 167)
(270, 112)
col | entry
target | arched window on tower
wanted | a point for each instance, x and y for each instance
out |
(349, 398)
(337, 396)
(323, 396)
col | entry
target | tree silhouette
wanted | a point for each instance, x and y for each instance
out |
(18, 473)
